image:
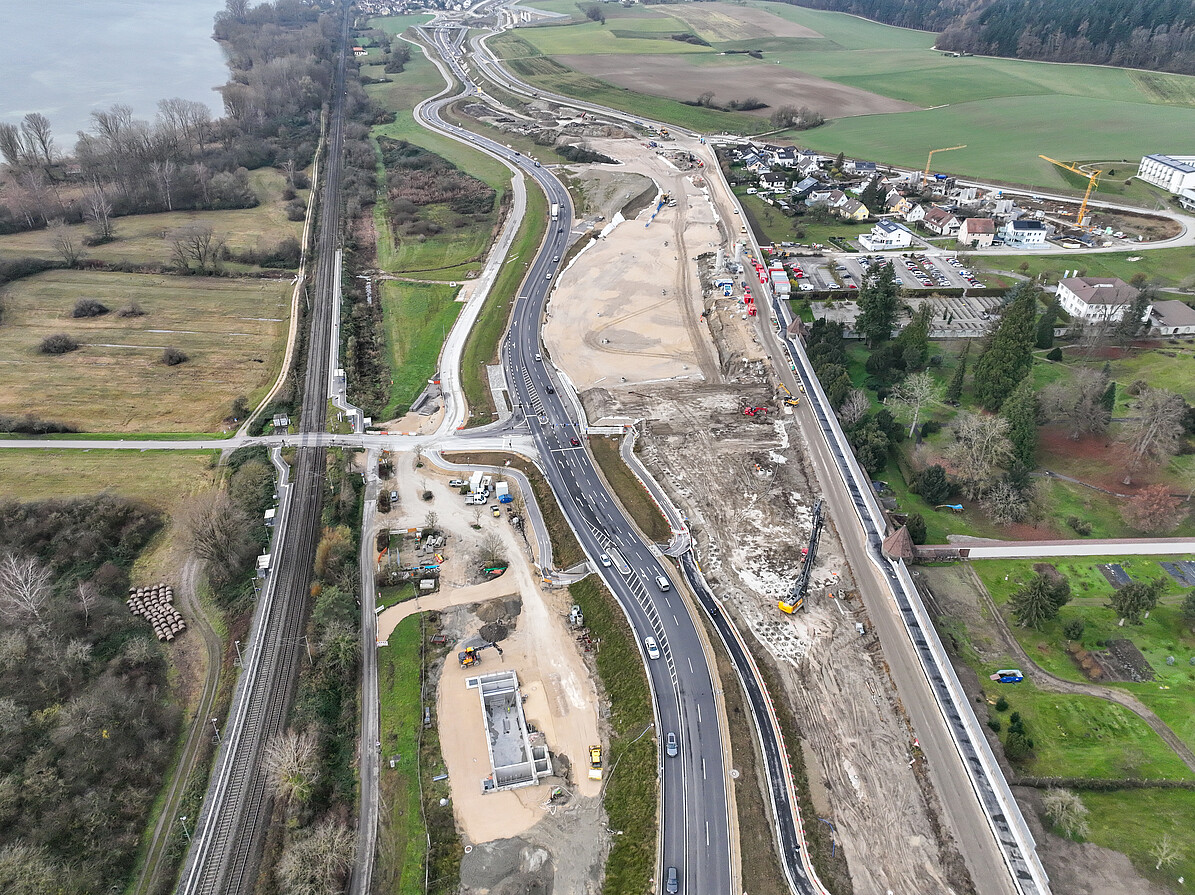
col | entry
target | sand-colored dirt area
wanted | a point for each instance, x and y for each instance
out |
(561, 699)
(776, 85)
(628, 310)
(728, 21)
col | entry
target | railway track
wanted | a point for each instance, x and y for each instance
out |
(226, 846)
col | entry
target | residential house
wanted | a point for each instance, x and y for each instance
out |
(1172, 173)
(786, 157)
(978, 232)
(803, 189)
(914, 214)
(809, 163)
(820, 196)
(853, 210)
(773, 181)
(836, 199)
(940, 221)
(1096, 299)
(1172, 318)
(886, 235)
(359, 51)
(865, 169)
(1024, 233)
(895, 203)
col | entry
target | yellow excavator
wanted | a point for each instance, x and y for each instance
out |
(595, 762)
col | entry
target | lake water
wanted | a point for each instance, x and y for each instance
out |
(66, 58)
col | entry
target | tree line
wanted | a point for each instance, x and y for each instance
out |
(280, 57)
(1152, 34)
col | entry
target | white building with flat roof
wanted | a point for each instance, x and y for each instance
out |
(886, 235)
(1096, 299)
(1173, 173)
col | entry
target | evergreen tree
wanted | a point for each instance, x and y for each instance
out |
(878, 305)
(931, 483)
(1136, 598)
(1008, 355)
(1021, 412)
(1045, 326)
(955, 390)
(1039, 600)
(1108, 399)
(916, 527)
(912, 345)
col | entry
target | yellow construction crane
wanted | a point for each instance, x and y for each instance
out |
(930, 160)
(1092, 178)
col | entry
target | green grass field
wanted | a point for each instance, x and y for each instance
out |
(459, 249)
(398, 24)
(233, 331)
(1133, 821)
(417, 317)
(402, 839)
(145, 238)
(1163, 634)
(158, 478)
(1168, 267)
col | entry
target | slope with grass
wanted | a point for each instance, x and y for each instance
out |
(417, 318)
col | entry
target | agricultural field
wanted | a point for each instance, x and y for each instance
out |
(144, 239)
(157, 478)
(1058, 110)
(417, 317)
(233, 332)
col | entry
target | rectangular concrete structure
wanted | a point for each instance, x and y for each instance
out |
(514, 760)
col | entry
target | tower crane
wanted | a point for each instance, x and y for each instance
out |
(1092, 178)
(930, 160)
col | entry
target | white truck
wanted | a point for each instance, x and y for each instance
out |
(555, 211)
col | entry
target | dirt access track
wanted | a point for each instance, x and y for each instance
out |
(744, 484)
(673, 77)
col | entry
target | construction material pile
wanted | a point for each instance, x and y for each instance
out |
(156, 605)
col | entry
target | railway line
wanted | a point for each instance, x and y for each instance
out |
(226, 845)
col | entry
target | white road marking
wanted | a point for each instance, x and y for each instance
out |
(699, 713)
(690, 661)
(703, 777)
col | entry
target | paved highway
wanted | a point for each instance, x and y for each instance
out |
(695, 834)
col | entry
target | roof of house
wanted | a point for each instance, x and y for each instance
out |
(1100, 290)
(1026, 225)
(980, 225)
(937, 215)
(890, 227)
(1171, 312)
(865, 166)
(853, 205)
(807, 184)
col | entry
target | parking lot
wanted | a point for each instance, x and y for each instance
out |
(848, 272)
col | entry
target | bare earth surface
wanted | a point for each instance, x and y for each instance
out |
(520, 840)
(623, 325)
(776, 85)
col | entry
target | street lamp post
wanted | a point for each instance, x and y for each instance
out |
(216, 729)
(183, 822)
(240, 662)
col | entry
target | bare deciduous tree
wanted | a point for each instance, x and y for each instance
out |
(981, 447)
(1067, 812)
(39, 140)
(491, 552)
(25, 587)
(1156, 431)
(1077, 401)
(318, 863)
(28, 870)
(198, 244)
(88, 598)
(430, 520)
(913, 394)
(217, 530)
(164, 173)
(98, 210)
(1006, 504)
(854, 408)
(291, 765)
(62, 238)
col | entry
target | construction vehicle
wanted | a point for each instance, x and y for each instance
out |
(1092, 176)
(796, 599)
(595, 762)
(752, 411)
(471, 655)
(788, 397)
(930, 159)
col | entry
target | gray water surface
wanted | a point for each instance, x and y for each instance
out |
(66, 58)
